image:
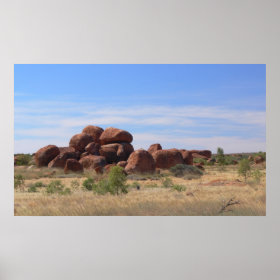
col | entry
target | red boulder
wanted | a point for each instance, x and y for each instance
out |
(140, 161)
(187, 157)
(92, 162)
(167, 158)
(116, 152)
(72, 165)
(205, 153)
(60, 160)
(93, 148)
(154, 147)
(94, 131)
(46, 154)
(80, 141)
(115, 135)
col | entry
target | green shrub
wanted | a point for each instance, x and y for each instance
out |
(75, 184)
(256, 174)
(88, 184)
(117, 180)
(57, 187)
(244, 168)
(39, 184)
(179, 188)
(23, 159)
(167, 183)
(32, 188)
(220, 157)
(180, 170)
(114, 184)
(18, 181)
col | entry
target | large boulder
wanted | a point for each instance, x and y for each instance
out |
(94, 131)
(80, 141)
(140, 161)
(115, 135)
(187, 157)
(154, 147)
(60, 160)
(167, 158)
(72, 165)
(196, 155)
(93, 148)
(66, 149)
(205, 153)
(116, 152)
(44, 155)
(92, 161)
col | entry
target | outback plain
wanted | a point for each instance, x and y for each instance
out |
(156, 182)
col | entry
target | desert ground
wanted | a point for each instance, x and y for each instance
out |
(220, 191)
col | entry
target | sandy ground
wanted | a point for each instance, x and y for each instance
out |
(217, 192)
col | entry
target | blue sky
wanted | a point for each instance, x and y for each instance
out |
(183, 106)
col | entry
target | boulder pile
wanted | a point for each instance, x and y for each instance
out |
(99, 150)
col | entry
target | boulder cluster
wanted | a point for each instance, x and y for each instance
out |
(99, 150)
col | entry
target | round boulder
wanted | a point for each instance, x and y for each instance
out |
(115, 135)
(80, 141)
(44, 155)
(60, 160)
(116, 152)
(205, 153)
(94, 131)
(154, 147)
(93, 148)
(72, 165)
(92, 162)
(140, 161)
(167, 158)
(187, 157)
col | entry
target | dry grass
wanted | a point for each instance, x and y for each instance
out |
(204, 196)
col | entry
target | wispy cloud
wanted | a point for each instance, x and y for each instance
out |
(60, 120)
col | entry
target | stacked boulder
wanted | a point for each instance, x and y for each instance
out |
(93, 148)
(98, 149)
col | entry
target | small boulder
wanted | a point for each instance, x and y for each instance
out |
(116, 152)
(115, 135)
(140, 161)
(72, 165)
(44, 155)
(187, 157)
(196, 155)
(80, 141)
(122, 163)
(94, 131)
(108, 167)
(154, 147)
(93, 148)
(60, 160)
(167, 158)
(92, 162)
(206, 153)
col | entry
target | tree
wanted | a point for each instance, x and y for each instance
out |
(116, 180)
(221, 157)
(244, 168)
